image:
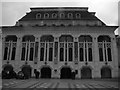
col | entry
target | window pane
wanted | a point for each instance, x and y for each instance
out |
(70, 54)
(109, 54)
(90, 54)
(76, 49)
(101, 54)
(61, 54)
(81, 54)
(50, 54)
(13, 53)
(5, 53)
(23, 54)
(31, 54)
(42, 54)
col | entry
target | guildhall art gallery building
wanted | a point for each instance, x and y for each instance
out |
(59, 40)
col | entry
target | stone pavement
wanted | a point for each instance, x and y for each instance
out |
(40, 84)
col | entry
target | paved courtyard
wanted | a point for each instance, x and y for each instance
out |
(55, 84)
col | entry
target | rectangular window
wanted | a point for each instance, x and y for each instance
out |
(36, 49)
(56, 49)
(61, 54)
(13, 53)
(109, 54)
(50, 54)
(76, 49)
(23, 54)
(101, 54)
(31, 54)
(6, 53)
(81, 54)
(70, 54)
(42, 54)
(90, 54)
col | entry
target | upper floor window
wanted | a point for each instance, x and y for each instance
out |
(30, 38)
(62, 15)
(104, 38)
(85, 38)
(54, 15)
(38, 15)
(78, 15)
(11, 38)
(70, 15)
(46, 15)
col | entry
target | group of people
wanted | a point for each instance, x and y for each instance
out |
(8, 74)
(24, 75)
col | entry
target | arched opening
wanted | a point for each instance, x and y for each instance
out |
(106, 72)
(65, 73)
(85, 38)
(30, 38)
(104, 38)
(66, 38)
(86, 73)
(27, 70)
(47, 38)
(46, 72)
(8, 72)
(11, 38)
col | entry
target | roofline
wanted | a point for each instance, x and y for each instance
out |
(59, 8)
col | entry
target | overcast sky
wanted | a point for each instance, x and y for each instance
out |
(13, 10)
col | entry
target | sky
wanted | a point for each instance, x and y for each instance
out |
(13, 10)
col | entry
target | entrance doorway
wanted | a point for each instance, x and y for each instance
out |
(27, 70)
(45, 72)
(86, 73)
(65, 73)
(106, 72)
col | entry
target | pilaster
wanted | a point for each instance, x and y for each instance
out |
(96, 69)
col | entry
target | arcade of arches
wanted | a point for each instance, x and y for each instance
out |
(65, 49)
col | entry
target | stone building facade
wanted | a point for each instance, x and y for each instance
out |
(59, 40)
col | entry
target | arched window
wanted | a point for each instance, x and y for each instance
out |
(78, 15)
(62, 15)
(28, 47)
(104, 45)
(66, 38)
(46, 15)
(10, 47)
(66, 47)
(38, 16)
(85, 48)
(11, 38)
(85, 38)
(104, 38)
(47, 38)
(70, 15)
(30, 38)
(54, 15)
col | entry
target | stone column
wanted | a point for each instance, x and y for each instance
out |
(115, 58)
(18, 53)
(96, 68)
